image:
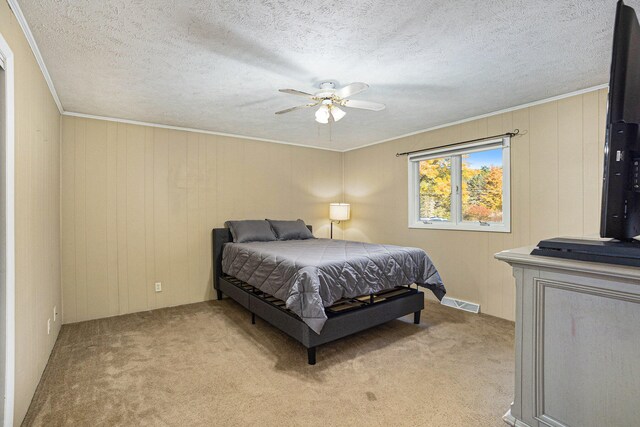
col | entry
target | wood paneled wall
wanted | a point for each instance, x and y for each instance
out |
(556, 170)
(37, 216)
(139, 204)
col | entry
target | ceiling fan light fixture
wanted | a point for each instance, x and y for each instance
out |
(331, 99)
(322, 115)
(337, 113)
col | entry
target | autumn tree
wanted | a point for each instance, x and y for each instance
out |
(492, 195)
(435, 188)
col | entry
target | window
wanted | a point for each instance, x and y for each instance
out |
(465, 187)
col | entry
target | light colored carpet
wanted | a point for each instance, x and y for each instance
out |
(205, 364)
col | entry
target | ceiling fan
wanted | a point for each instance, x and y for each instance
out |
(331, 99)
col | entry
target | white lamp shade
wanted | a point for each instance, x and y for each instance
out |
(322, 115)
(337, 113)
(339, 211)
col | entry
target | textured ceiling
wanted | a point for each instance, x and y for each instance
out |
(218, 65)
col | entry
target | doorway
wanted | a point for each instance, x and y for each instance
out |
(7, 247)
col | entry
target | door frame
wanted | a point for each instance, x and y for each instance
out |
(10, 283)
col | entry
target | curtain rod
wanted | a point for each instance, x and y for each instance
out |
(509, 134)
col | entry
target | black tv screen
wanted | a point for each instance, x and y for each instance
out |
(620, 217)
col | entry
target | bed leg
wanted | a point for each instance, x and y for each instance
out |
(416, 317)
(311, 355)
(253, 318)
(218, 294)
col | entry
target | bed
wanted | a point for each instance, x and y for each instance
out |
(320, 290)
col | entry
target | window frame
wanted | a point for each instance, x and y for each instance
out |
(456, 222)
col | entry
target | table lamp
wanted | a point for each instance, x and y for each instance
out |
(339, 212)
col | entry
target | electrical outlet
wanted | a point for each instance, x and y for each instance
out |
(55, 313)
(158, 287)
(48, 326)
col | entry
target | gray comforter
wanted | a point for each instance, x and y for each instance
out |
(312, 274)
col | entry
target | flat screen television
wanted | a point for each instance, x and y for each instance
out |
(620, 217)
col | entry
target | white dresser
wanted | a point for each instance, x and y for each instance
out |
(577, 342)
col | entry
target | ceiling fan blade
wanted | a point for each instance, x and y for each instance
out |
(299, 107)
(295, 92)
(351, 89)
(365, 105)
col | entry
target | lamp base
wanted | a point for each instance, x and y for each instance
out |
(333, 222)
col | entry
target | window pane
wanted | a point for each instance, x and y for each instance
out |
(435, 189)
(482, 186)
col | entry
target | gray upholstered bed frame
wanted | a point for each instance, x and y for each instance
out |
(346, 317)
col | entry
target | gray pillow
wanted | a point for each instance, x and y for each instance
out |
(254, 230)
(291, 230)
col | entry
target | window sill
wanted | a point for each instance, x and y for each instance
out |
(462, 227)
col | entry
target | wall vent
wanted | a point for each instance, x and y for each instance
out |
(461, 305)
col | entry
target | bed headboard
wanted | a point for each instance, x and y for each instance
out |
(219, 237)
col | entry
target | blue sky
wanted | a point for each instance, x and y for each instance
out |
(485, 158)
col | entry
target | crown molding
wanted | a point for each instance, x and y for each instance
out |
(231, 135)
(187, 129)
(15, 7)
(483, 116)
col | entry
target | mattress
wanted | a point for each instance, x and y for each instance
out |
(312, 274)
